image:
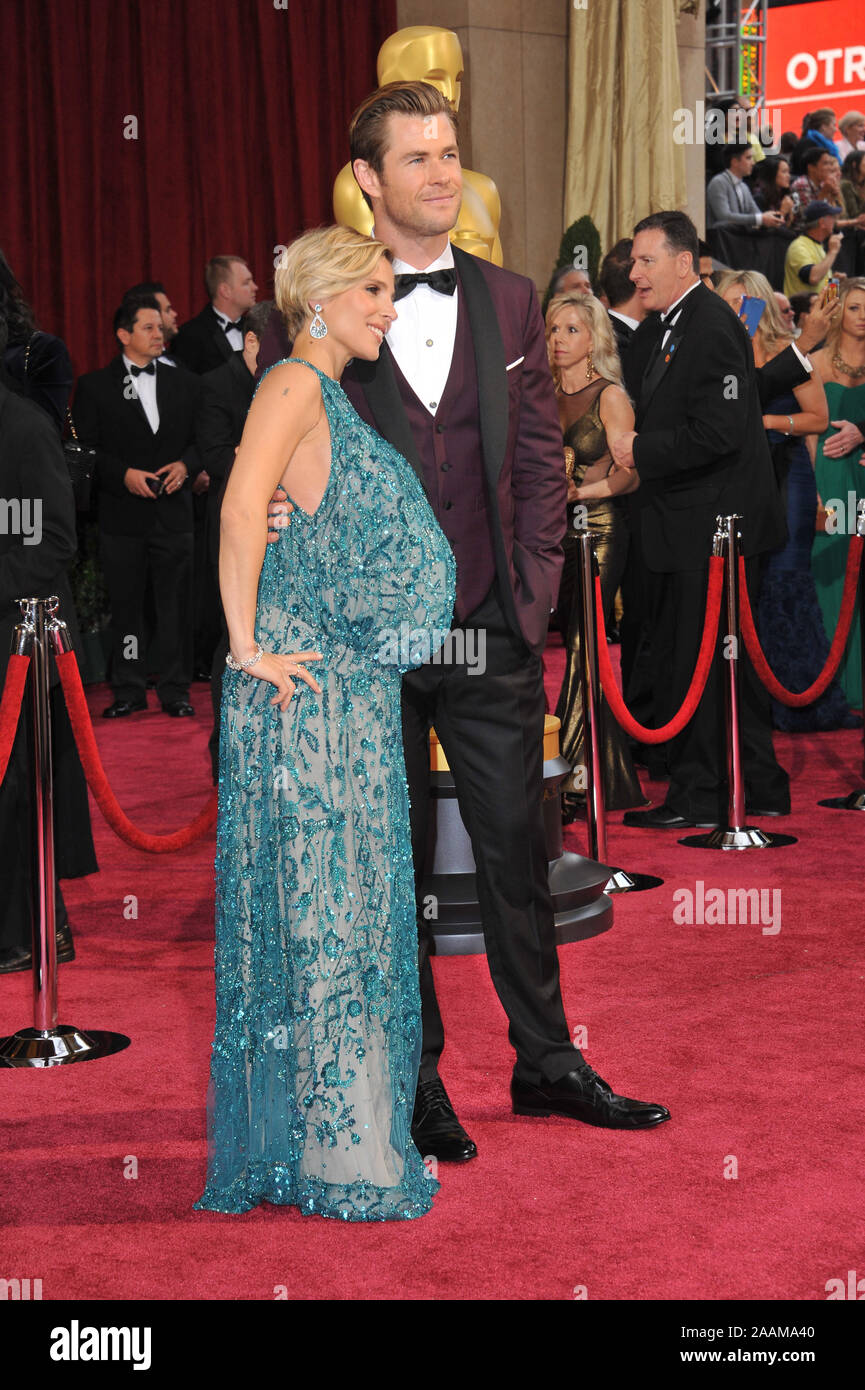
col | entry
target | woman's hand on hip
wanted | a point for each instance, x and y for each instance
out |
(284, 671)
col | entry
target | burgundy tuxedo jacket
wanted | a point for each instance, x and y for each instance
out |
(519, 428)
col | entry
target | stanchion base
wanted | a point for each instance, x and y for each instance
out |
(854, 802)
(30, 1047)
(748, 837)
(622, 882)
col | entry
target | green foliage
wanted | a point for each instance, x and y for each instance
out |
(580, 247)
(88, 586)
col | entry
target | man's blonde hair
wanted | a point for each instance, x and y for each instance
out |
(321, 263)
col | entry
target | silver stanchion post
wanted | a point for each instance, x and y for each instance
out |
(855, 801)
(47, 1043)
(737, 835)
(590, 686)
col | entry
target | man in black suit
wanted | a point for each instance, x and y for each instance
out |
(35, 551)
(700, 450)
(624, 306)
(228, 393)
(209, 339)
(140, 417)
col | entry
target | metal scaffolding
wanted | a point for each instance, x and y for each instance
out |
(736, 50)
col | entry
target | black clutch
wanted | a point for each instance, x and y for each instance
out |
(81, 462)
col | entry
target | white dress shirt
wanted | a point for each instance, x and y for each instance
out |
(669, 316)
(422, 337)
(234, 337)
(633, 324)
(144, 386)
(745, 198)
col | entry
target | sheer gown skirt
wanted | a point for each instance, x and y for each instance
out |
(317, 1036)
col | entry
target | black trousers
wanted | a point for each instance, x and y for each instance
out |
(697, 758)
(491, 729)
(127, 561)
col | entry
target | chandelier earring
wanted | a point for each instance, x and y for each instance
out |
(318, 327)
(590, 367)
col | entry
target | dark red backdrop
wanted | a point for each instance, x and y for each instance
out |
(242, 111)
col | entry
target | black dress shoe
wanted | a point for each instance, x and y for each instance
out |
(663, 818)
(583, 1095)
(753, 811)
(181, 709)
(123, 707)
(17, 958)
(435, 1128)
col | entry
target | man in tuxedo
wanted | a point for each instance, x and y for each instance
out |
(227, 397)
(140, 417)
(167, 313)
(700, 450)
(462, 389)
(624, 306)
(209, 339)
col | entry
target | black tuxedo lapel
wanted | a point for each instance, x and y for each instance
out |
(489, 353)
(378, 384)
(217, 332)
(661, 359)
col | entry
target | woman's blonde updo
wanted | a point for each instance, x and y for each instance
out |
(321, 263)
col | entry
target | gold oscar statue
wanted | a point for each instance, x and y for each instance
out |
(426, 53)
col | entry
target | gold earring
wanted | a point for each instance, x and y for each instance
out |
(589, 367)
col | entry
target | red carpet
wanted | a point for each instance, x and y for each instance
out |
(753, 1040)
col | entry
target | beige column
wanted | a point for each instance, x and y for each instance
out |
(691, 40)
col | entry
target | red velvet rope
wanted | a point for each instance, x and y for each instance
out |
(95, 773)
(701, 670)
(839, 641)
(10, 707)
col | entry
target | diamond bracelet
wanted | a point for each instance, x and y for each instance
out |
(244, 665)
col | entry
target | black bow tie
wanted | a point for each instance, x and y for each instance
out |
(228, 326)
(443, 281)
(148, 371)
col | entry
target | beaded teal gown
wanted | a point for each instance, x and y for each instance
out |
(317, 1040)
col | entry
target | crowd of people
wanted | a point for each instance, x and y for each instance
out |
(814, 428)
(794, 209)
(405, 444)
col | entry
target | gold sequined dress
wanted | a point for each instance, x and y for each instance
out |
(584, 432)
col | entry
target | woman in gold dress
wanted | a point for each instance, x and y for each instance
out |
(594, 409)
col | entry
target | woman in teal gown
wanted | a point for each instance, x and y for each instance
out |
(317, 1041)
(839, 472)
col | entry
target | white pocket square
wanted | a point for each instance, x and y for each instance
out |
(511, 365)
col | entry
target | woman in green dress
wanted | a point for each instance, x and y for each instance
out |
(838, 463)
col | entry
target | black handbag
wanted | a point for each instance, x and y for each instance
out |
(81, 462)
(80, 459)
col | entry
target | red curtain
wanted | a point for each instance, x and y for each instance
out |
(143, 136)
